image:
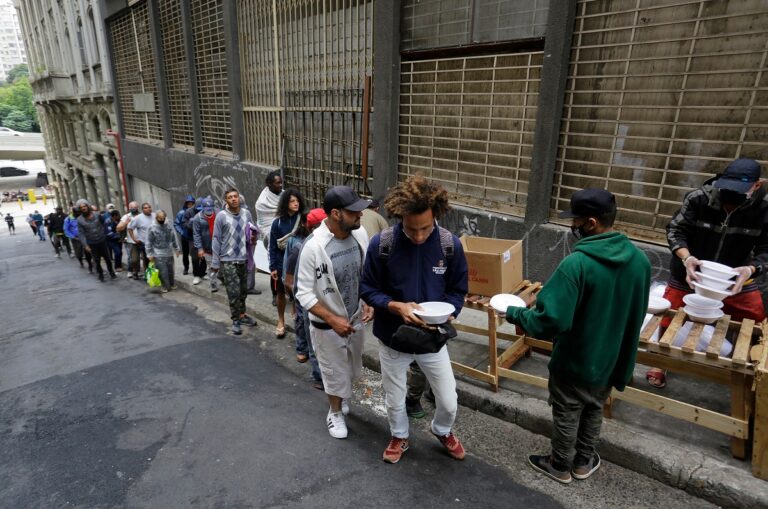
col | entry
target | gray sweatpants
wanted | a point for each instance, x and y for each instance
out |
(164, 266)
(577, 415)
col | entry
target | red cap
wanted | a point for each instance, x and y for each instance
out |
(315, 217)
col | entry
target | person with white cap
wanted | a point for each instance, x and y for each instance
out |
(328, 287)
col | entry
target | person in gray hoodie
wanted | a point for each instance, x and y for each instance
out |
(161, 246)
(90, 230)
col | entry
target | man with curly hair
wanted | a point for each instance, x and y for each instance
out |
(411, 262)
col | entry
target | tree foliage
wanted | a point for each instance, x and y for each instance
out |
(17, 104)
(17, 71)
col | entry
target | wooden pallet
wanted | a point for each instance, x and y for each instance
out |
(737, 371)
(512, 354)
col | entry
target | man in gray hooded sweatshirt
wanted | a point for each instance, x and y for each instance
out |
(90, 230)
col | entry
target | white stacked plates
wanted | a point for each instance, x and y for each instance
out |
(716, 282)
(712, 293)
(658, 305)
(718, 270)
(502, 301)
(711, 316)
(434, 313)
(701, 305)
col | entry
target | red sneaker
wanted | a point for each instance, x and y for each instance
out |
(395, 449)
(450, 442)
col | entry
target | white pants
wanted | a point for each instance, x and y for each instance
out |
(340, 359)
(437, 369)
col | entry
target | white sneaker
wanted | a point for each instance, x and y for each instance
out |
(206, 278)
(196, 281)
(344, 407)
(337, 427)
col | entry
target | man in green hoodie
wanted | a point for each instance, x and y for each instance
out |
(593, 307)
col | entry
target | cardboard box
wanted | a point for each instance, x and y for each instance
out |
(495, 265)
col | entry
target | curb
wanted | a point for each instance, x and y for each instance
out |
(699, 475)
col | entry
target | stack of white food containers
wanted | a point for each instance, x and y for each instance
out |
(716, 283)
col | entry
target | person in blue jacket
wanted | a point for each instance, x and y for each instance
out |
(289, 209)
(414, 261)
(70, 230)
(178, 225)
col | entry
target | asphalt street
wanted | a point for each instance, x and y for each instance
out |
(113, 397)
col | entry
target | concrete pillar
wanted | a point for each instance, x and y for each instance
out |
(102, 178)
(115, 183)
(557, 50)
(233, 80)
(386, 95)
(93, 193)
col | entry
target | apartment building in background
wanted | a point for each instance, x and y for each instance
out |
(12, 51)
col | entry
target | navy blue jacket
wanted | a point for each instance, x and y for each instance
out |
(281, 227)
(411, 273)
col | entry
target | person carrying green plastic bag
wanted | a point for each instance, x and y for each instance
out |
(161, 246)
(152, 276)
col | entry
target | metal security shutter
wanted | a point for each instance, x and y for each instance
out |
(135, 71)
(303, 67)
(212, 81)
(661, 96)
(176, 75)
(468, 123)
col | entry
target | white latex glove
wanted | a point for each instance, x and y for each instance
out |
(744, 274)
(691, 264)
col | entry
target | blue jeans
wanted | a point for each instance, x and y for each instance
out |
(303, 343)
(117, 252)
(41, 232)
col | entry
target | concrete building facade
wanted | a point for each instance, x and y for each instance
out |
(512, 105)
(72, 84)
(12, 52)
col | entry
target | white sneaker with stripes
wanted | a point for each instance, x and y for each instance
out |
(337, 427)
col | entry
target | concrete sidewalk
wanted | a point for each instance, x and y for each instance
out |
(671, 451)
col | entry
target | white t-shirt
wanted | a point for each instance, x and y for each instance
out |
(140, 226)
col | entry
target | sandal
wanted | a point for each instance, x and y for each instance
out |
(656, 378)
(280, 332)
(301, 358)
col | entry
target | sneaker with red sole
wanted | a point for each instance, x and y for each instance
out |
(395, 449)
(452, 444)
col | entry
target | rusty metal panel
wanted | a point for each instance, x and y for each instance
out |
(176, 75)
(660, 97)
(135, 71)
(468, 123)
(212, 80)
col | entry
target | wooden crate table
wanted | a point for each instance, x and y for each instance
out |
(745, 372)
(512, 354)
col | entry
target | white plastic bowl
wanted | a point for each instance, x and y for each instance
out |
(696, 301)
(703, 318)
(711, 293)
(715, 269)
(658, 305)
(716, 282)
(434, 313)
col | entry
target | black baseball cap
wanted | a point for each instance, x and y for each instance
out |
(590, 203)
(343, 197)
(739, 176)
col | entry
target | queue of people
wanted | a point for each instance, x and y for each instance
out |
(333, 276)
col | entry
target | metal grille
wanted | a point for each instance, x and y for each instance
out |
(294, 46)
(176, 75)
(660, 97)
(211, 66)
(323, 131)
(468, 123)
(442, 23)
(135, 71)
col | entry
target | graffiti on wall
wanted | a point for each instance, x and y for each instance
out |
(213, 179)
